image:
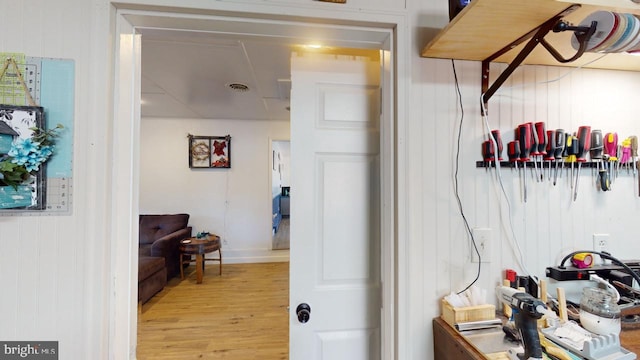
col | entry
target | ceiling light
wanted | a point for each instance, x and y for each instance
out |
(313, 46)
(238, 87)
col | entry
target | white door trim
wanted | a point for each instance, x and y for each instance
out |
(126, 122)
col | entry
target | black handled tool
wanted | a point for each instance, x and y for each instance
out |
(560, 143)
(540, 136)
(551, 149)
(584, 142)
(527, 311)
(526, 144)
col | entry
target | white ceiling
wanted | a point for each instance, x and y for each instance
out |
(188, 62)
(186, 74)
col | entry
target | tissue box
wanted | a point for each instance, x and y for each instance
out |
(453, 315)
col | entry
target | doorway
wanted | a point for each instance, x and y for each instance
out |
(126, 134)
(281, 193)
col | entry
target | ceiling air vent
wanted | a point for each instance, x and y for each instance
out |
(238, 87)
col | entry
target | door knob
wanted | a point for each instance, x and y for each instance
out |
(304, 312)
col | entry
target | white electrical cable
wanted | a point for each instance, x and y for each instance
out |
(485, 118)
(611, 288)
(514, 241)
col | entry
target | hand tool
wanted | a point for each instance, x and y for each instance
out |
(528, 310)
(534, 151)
(551, 149)
(498, 140)
(488, 154)
(603, 175)
(584, 142)
(540, 136)
(611, 149)
(625, 156)
(560, 149)
(525, 139)
(572, 151)
(595, 153)
(513, 152)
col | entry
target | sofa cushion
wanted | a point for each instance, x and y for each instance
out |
(148, 266)
(153, 227)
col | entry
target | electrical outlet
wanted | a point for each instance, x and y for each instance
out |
(601, 242)
(482, 237)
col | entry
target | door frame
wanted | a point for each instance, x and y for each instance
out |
(125, 151)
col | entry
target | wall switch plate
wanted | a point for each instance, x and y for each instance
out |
(601, 242)
(482, 237)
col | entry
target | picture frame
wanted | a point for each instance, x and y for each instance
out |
(209, 151)
(18, 122)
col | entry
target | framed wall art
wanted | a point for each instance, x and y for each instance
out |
(23, 181)
(209, 151)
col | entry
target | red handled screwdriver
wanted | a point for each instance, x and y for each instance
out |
(540, 136)
(525, 139)
(560, 143)
(488, 152)
(534, 150)
(584, 143)
(551, 149)
(513, 151)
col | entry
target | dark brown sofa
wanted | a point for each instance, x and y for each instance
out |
(158, 251)
(152, 277)
(160, 236)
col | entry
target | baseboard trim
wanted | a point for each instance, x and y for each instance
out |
(251, 256)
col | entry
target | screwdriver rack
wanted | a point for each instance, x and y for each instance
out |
(565, 165)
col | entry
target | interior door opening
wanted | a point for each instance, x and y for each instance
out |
(120, 313)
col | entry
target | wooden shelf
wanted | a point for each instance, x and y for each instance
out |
(486, 26)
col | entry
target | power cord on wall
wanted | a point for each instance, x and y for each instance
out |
(455, 178)
(514, 241)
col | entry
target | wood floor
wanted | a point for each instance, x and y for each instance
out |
(239, 316)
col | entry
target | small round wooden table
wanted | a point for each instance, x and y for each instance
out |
(199, 247)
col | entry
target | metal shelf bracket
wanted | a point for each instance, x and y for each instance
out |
(535, 37)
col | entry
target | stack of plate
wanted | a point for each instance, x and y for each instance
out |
(615, 32)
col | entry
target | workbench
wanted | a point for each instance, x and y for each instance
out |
(450, 345)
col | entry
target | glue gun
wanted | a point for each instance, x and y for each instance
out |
(526, 310)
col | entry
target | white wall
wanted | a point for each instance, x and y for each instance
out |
(56, 270)
(550, 224)
(234, 203)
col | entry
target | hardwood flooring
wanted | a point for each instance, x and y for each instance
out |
(281, 237)
(241, 315)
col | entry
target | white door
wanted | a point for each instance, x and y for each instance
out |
(335, 199)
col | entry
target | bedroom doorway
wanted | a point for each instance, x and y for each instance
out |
(280, 193)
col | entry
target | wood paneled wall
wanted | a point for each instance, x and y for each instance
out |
(53, 267)
(550, 224)
(55, 270)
